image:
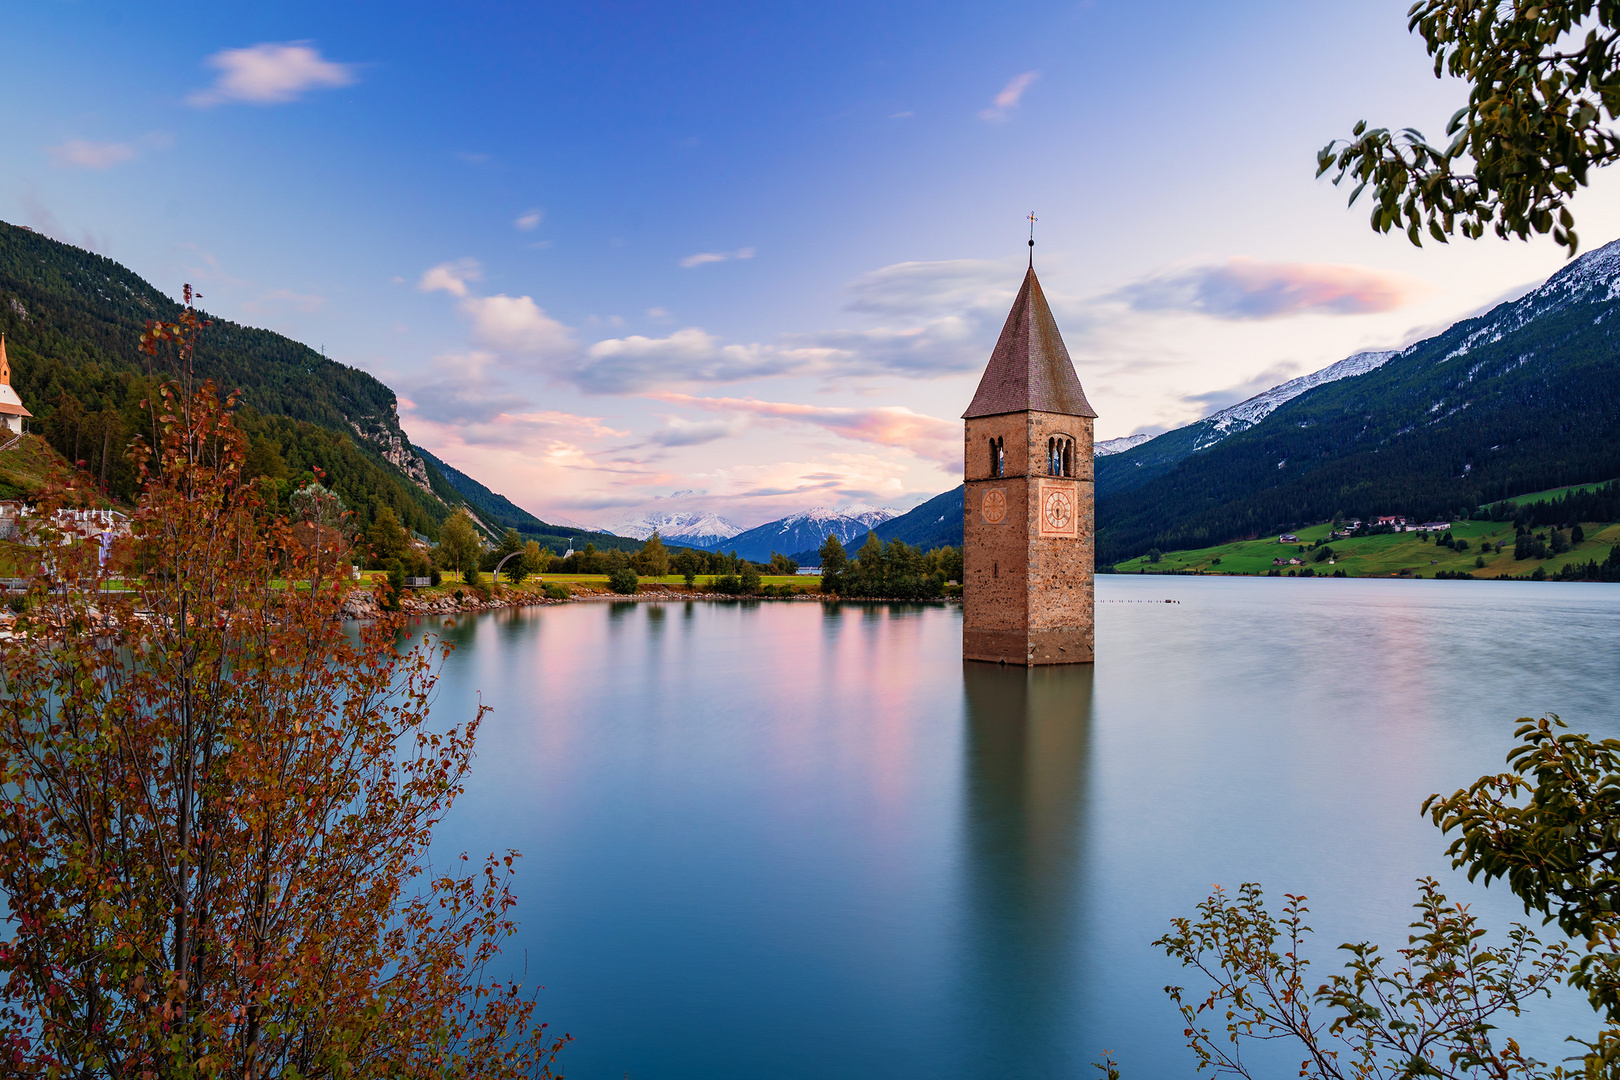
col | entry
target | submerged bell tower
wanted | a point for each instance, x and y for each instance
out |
(1028, 541)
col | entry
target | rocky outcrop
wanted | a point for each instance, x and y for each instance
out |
(388, 437)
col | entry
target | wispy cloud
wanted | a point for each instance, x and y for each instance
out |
(270, 73)
(451, 277)
(678, 431)
(1243, 288)
(938, 319)
(885, 425)
(83, 154)
(529, 220)
(1006, 101)
(703, 257)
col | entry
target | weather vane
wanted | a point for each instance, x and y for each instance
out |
(1032, 220)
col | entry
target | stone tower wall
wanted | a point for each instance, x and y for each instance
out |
(1027, 576)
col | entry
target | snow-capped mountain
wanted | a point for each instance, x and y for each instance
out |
(693, 528)
(1133, 466)
(1523, 397)
(1119, 445)
(1246, 414)
(808, 530)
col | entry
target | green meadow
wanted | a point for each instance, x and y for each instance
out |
(1392, 555)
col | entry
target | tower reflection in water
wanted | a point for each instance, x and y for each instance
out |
(1027, 743)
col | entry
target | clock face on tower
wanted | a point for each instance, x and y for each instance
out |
(1059, 509)
(995, 506)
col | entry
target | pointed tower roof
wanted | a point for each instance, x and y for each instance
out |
(1030, 369)
(10, 403)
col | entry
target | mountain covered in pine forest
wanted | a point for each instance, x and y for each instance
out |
(1124, 467)
(72, 322)
(1523, 398)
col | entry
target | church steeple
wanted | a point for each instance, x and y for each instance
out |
(12, 410)
(1030, 369)
(1028, 499)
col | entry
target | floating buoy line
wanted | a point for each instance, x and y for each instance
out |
(1138, 601)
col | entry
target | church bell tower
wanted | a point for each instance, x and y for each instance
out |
(1028, 502)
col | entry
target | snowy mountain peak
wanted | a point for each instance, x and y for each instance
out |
(697, 527)
(859, 512)
(1119, 445)
(1246, 414)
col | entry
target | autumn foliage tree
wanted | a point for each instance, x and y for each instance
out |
(216, 806)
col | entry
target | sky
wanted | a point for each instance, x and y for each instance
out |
(748, 259)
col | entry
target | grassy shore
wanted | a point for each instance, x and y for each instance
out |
(598, 583)
(1392, 555)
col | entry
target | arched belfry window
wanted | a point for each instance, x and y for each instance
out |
(998, 457)
(1060, 456)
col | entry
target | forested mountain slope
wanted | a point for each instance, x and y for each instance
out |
(498, 513)
(1136, 465)
(73, 320)
(1523, 398)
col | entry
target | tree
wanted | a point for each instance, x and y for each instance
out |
(1548, 828)
(216, 816)
(834, 563)
(459, 545)
(511, 543)
(655, 556)
(782, 566)
(1529, 136)
(389, 541)
(687, 563)
(318, 505)
(1156, 555)
(624, 581)
(1432, 1016)
(537, 558)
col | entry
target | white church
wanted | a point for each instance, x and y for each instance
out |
(12, 413)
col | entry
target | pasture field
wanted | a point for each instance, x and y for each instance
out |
(1391, 555)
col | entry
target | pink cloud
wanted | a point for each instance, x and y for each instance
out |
(1243, 288)
(884, 425)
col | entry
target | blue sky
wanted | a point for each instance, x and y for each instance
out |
(753, 254)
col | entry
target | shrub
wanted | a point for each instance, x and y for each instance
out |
(556, 590)
(1158, 556)
(624, 581)
(396, 585)
(435, 578)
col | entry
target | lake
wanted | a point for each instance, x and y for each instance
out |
(784, 840)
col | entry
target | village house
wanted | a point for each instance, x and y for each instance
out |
(1434, 526)
(1287, 538)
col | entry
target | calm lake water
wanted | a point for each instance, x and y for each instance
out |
(784, 840)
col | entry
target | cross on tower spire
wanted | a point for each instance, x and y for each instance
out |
(1032, 220)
